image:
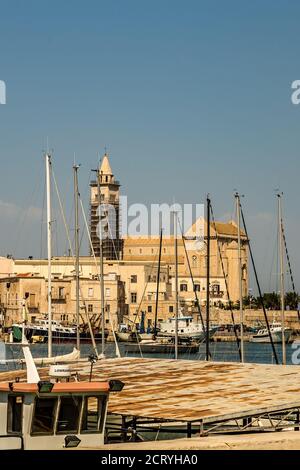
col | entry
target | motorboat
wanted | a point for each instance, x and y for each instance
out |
(187, 328)
(58, 413)
(262, 335)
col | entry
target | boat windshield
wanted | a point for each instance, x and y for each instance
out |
(44, 415)
(15, 412)
(48, 421)
(69, 412)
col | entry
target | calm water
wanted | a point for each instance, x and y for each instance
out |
(258, 353)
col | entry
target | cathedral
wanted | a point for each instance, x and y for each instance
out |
(145, 249)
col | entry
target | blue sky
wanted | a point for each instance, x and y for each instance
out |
(189, 98)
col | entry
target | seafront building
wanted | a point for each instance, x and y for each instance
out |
(130, 271)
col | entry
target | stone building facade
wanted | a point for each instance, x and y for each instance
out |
(130, 271)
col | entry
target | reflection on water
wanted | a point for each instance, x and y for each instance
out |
(254, 352)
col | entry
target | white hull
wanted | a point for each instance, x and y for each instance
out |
(276, 337)
(146, 336)
(193, 335)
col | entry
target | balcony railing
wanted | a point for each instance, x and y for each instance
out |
(216, 295)
(59, 298)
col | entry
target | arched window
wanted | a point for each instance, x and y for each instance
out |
(183, 287)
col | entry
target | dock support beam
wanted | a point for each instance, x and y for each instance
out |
(189, 429)
(297, 427)
(124, 429)
(134, 428)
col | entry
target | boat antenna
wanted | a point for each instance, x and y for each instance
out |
(92, 358)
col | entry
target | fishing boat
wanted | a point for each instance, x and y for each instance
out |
(39, 330)
(187, 329)
(53, 414)
(262, 336)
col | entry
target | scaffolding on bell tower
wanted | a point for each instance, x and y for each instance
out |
(108, 205)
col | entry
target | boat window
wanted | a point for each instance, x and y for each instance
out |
(93, 414)
(44, 416)
(14, 414)
(69, 413)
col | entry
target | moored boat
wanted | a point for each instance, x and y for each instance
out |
(38, 332)
(187, 329)
(262, 336)
(52, 415)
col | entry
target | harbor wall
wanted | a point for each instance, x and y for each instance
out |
(254, 317)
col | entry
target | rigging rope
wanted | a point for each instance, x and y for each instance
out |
(290, 267)
(226, 284)
(73, 258)
(258, 287)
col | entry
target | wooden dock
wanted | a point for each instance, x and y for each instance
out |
(206, 393)
(199, 395)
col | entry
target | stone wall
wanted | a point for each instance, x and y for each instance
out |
(252, 317)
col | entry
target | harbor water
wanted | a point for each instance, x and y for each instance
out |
(260, 353)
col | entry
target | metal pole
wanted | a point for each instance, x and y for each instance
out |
(101, 271)
(49, 251)
(176, 284)
(75, 168)
(207, 278)
(258, 287)
(240, 273)
(280, 237)
(157, 284)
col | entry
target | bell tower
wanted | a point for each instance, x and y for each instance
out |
(109, 209)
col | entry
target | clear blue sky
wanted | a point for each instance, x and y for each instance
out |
(189, 98)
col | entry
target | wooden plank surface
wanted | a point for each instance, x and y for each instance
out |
(193, 390)
(187, 390)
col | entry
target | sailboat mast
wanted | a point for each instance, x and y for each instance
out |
(176, 284)
(49, 250)
(75, 168)
(207, 278)
(101, 271)
(280, 238)
(240, 273)
(157, 283)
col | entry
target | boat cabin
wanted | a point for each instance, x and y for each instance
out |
(50, 416)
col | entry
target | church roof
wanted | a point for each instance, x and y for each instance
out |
(105, 167)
